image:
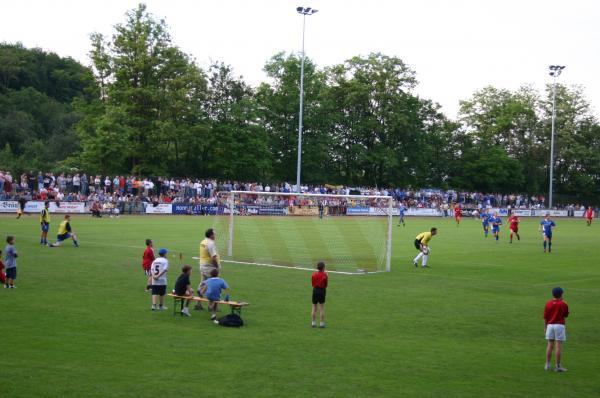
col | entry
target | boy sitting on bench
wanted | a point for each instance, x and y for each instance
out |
(184, 288)
(211, 289)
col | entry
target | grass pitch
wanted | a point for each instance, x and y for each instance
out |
(80, 325)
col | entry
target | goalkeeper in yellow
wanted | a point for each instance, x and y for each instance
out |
(65, 232)
(422, 245)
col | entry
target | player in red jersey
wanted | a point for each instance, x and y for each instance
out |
(457, 214)
(555, 312)
(147, 260)
(319, 284)
(514, 227)
(589, 214)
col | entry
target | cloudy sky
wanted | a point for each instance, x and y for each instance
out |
(455, 46)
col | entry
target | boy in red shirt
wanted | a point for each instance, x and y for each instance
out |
(319, 284)
(555, 312)
(514, 226)
(147, 260)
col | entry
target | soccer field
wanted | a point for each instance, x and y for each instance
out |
(80, 325)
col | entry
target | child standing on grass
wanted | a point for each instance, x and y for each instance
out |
(555, 312)
(10, 262)
(319, 284)
(159, 268)
(147, 260)
(183, 287)
(211, 289)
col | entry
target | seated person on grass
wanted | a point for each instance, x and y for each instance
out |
(184, 288)
(211, 289)
(96, 210)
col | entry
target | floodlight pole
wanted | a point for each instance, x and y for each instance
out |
(555, 71)
(304, 11)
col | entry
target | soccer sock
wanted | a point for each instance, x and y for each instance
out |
(544, 245)
(511, 236)
(549, 246)
(497, 236)
(425, 258)
(418, 257)
(518, 237)
(75, 243)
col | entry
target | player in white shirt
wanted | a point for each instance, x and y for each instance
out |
(159, 269)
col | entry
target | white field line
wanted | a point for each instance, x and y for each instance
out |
(297, 268)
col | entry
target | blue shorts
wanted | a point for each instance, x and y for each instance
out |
(62, 237)
(11, 273)
(217, 298)
(45, 227)
(485, 224)
(549, 236)
(496, 229)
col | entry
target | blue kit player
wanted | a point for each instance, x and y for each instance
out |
(496, 222)
(401, 211)
(485, 222)
(547, 225)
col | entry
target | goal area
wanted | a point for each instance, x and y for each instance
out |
(349, 233)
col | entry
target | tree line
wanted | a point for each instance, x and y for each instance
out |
(144, 107)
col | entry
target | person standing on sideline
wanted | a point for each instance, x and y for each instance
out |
(147, 260)
(209, 259)
(319, 284)
(555, 312)
(10, 262)
(45, 223)
(422, 245)
(160, 267)
(546, 226)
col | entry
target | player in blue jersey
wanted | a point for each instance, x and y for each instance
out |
(485, 222)
(496, 222)
(401, 211)
(546, 226)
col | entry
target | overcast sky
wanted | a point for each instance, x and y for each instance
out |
(455, 46)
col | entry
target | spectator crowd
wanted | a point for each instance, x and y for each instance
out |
(130, 191)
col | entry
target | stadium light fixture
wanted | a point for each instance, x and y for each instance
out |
(555, 71)
(304, 11)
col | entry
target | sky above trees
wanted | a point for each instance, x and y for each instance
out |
(455, 47)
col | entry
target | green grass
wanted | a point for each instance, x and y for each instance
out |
(79, 324)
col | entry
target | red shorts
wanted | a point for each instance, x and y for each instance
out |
(2, 277)
(514, 228)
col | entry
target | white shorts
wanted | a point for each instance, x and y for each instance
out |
(556, 331)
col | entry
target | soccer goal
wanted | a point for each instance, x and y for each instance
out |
(350, 233)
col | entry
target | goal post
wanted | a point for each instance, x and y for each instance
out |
(350, 233)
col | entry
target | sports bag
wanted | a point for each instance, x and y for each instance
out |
(231, 320)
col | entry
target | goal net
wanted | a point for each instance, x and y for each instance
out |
(350, 233)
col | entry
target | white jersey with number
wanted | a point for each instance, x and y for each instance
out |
(159, 266)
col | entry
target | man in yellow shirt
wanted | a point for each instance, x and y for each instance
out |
(65, 232)
(422, 245)
(45, 223)
(209, 259)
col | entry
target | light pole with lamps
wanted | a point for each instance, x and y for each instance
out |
(555, 71)
(304, 11)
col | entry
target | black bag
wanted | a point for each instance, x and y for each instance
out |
(231, 320)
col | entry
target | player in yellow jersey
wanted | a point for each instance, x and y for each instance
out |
(209, 259)
(422, 245)
(45, 223)
(65, 232)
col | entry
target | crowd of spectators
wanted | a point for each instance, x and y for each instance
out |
(134, 191)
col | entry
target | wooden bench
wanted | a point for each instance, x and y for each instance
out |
(236, 306)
